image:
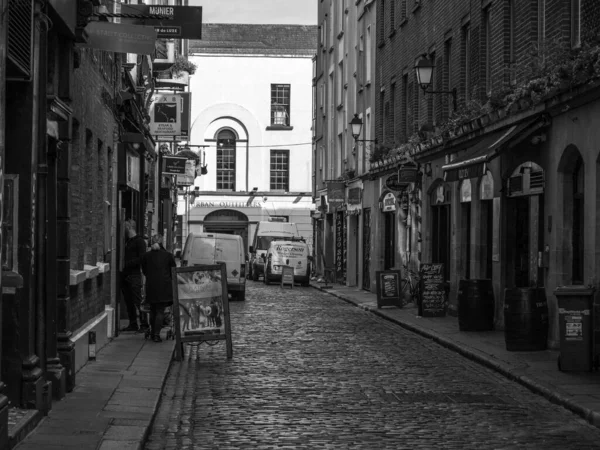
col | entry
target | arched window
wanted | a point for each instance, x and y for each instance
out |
(578, 211)
(226, 160)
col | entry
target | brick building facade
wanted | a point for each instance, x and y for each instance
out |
(519, 149)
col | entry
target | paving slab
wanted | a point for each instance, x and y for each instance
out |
(112, 406)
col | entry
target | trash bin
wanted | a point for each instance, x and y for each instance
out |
(475, 305)
(575, 307)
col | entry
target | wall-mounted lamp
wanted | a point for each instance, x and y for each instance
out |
(136, 145)
(424, 70)
(356, 126)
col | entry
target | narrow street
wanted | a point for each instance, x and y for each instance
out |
(312, 371)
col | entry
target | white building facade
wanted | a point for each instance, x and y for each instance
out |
(251, 118)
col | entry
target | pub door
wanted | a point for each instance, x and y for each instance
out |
(366, 265)
(389, 243)
(440, 228)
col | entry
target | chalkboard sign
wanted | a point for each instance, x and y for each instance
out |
(287, 276)
(388, 288)
(200, 306)
(433, 291)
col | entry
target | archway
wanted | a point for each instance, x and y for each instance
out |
(227, 221)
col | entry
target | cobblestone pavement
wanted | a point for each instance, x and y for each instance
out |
(310, 371)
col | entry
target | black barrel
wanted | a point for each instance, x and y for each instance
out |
(525, 319)
(475, 305)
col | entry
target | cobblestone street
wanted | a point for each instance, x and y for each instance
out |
(312, 371)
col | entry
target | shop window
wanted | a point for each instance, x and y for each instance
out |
(486, 194)
(578, 220)
(465, 232)
(10, 228)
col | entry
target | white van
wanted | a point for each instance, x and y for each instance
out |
(266, 232)
(294, 253)
(215, 248)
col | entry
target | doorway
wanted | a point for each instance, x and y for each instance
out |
(389, 244)
(440, 228)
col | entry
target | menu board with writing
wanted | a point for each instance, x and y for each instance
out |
(433, 301)
(388, 288)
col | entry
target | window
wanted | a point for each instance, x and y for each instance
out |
(415, 106)
(431, 98)
(381, 27)
(402, 10)
(578, 222)
(382, 113)
(341, 15)
(368, 56)
(511, 30)
(575, 23)
(393, 15)
(280, 170)
(487, 35)
(280, 104)
(405, 107)
(226, 161)
(10, 230)
(447, 79)
(466, 58)
(393, 111)
(541, 21)
(340, 84)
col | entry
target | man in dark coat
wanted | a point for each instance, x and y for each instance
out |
(131, 277)
(156, 266)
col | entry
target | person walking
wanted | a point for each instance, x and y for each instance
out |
(131, 278)
(156, 266)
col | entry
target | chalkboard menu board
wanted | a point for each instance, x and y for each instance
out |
(433, 291)
(388, 288)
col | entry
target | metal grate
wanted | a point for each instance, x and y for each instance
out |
(20, 32)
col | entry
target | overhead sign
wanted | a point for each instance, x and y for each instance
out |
(407, 174)
(120, 38)
(181, 22)
(174, 165)
(336, 193)
(165, 115)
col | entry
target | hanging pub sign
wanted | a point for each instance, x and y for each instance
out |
(393, 184)
(354, 196)
(165, 115)
(388, 204)
(336, 193)
(174, 165)
(407, 174)
(190, 174)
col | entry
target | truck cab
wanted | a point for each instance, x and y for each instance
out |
(265, 233)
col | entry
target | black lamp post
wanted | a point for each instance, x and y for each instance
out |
(424, 70)
(356, 125)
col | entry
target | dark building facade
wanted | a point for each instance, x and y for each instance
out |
(508, 182)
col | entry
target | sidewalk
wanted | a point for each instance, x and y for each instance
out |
(114, 400)
(577, 391)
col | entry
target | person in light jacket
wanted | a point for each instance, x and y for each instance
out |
(156, 266)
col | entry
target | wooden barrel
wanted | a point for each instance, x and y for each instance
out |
(475, 305)
(525, 319)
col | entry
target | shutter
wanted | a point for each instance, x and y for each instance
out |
(20, 42)
(536, 181)
(515, 185)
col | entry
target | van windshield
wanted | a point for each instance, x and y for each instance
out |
(203, 248)
(262, 243)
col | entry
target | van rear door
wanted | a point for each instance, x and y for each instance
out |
(203, 250)
(228, 250)
(294, 255)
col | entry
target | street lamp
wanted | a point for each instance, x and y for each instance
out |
(356, 125)
(424, 70)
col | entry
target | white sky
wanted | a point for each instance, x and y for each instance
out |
(290, 12)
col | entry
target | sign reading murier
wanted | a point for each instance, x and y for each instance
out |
(180, 22)
(433, 291)
(388, 288)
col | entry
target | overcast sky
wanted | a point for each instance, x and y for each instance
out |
(296, 12)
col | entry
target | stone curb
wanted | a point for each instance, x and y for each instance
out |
(532, 384)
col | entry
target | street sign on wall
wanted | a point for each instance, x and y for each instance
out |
(181, 22)
(165, 115)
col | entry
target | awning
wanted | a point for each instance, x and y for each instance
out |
(473, 162)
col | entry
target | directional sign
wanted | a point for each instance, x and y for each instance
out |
(183, 22)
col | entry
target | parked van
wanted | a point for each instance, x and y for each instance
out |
(294, 253)
(215, 248)
(264, 234)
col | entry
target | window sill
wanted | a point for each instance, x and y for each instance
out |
(11, 281)
(340, 34)
(279, 128)
(392, 33)
(88, 272)
(416, 7)
(340, 106)
(381, 43)
(403, 22)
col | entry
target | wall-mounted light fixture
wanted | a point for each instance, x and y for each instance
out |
(356, 125)
(424, 70)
